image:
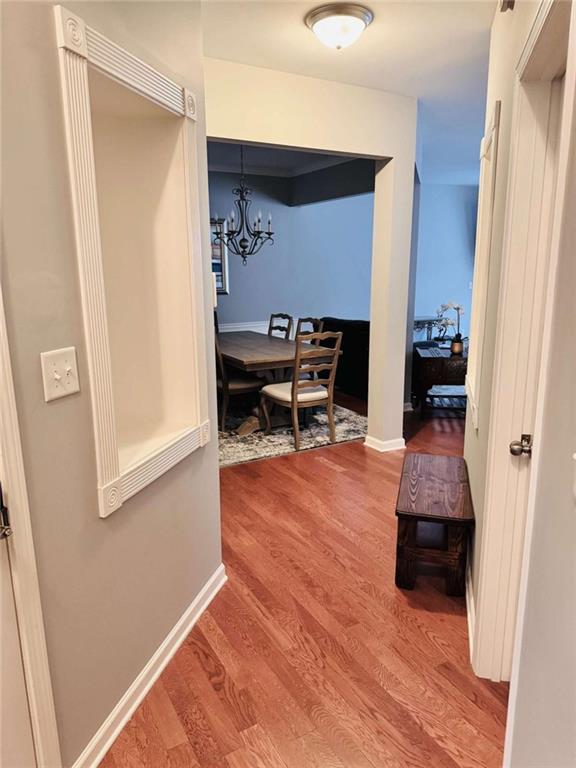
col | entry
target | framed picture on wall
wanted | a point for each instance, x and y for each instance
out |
(219, 257)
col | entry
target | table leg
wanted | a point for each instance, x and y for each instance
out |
(456, 574)
(279, 417)
(249, 426)
(405, 563)
(422, 397)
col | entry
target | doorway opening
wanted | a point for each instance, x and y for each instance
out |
(444, 244)
(317, 271)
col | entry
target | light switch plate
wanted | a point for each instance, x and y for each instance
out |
(59, 373)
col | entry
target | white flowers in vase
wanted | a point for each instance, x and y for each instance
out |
(443, 323)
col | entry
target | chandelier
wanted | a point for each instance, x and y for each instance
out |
(240, 236)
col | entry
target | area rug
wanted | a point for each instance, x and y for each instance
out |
(237, 450)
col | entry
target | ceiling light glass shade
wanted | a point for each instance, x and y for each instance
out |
(340, 24)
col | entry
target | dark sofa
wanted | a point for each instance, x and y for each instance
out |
(352, 372)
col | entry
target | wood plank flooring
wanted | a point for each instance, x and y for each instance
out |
(310, 657)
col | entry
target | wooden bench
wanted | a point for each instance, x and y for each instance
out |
(433, 490)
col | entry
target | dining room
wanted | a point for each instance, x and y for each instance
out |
(291, 237)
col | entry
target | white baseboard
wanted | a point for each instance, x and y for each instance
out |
(260, 326)
(470, 609)
(123, 711)
(383, 446)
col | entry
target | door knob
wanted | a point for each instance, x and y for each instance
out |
(522, 447)
(5, 529)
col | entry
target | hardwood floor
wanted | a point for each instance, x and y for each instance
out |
(351, 402)
(310, 657)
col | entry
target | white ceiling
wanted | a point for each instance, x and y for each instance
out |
(434, 51)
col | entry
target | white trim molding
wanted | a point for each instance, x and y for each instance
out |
(70, 31)
(24, 572)
(259, 326)
(383, 446)
(73, 35)
(545, 51)
(482, 258)
(131, 700)
(470, 607)
(79, 45)
(134, 478)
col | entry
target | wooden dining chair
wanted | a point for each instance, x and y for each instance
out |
(316, 323)
(305, 391)
(236, 383)
(284, 330)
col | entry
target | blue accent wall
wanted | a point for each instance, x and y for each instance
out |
(319, 265)
(446, 240)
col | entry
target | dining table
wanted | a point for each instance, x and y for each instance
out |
(270, 357)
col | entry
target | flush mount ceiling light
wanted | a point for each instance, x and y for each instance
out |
(338, 25)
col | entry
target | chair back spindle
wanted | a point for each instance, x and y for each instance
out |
(284, 329)
(316, 323)
(311, 360)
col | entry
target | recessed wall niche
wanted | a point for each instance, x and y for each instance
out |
(140, 178)
(131, 150)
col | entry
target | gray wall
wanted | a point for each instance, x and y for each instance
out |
(446, 241)
(111, 589)
(319, 264)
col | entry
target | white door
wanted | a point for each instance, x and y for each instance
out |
(16, 744)
(539, 139)
(542, 705)
(543, 686)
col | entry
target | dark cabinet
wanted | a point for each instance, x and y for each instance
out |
(434, 366)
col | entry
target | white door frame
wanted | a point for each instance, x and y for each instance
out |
(24, 573)
(532, 197)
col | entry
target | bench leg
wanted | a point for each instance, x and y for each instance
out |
(405, 563)
(456, 574)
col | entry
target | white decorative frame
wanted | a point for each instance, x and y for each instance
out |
(80, 45)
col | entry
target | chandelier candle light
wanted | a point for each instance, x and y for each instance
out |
(240, 236)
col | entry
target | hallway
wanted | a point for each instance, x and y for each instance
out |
(310, 656)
